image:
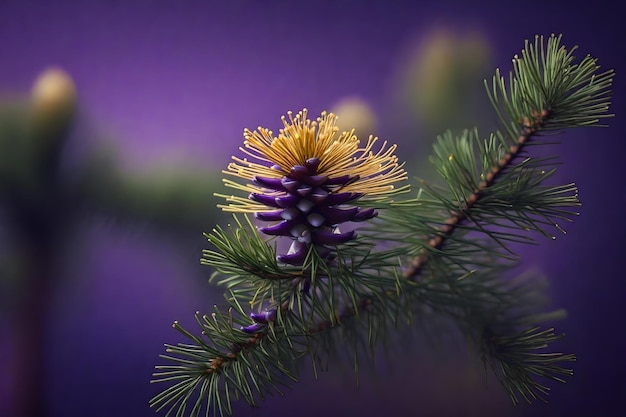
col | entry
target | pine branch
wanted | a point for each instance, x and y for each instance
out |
(444, 252)
(529, 129)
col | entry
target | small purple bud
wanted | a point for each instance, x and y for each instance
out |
(270, 216)
(271, 315)
(296, 247)
(290, 213)
(259, 317)
(268, 200)
(296, 254)
(271, 183)
(289, 184)
(315, 219)
(296, 258)
(298, 230)
(281, 229)
(312, 164)
(305, 237)
(253, 328)
(335, 216)
(287, 201)
(264, 317)
(318, 196)
(322, 237)
(364, 215)
(276, 167)
(299, 172)
(304, 190)
(305, 205)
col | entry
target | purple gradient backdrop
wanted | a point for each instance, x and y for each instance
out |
(186, 77)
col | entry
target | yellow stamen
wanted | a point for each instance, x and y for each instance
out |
(301, 139)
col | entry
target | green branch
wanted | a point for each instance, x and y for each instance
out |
(444, 252)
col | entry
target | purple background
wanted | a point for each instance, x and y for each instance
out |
(185, 78)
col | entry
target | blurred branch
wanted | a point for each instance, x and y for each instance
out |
(41, 201)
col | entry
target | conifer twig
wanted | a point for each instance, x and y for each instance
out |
(529, 128)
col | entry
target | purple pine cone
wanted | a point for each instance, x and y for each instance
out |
(312, 209)
(310, 178)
